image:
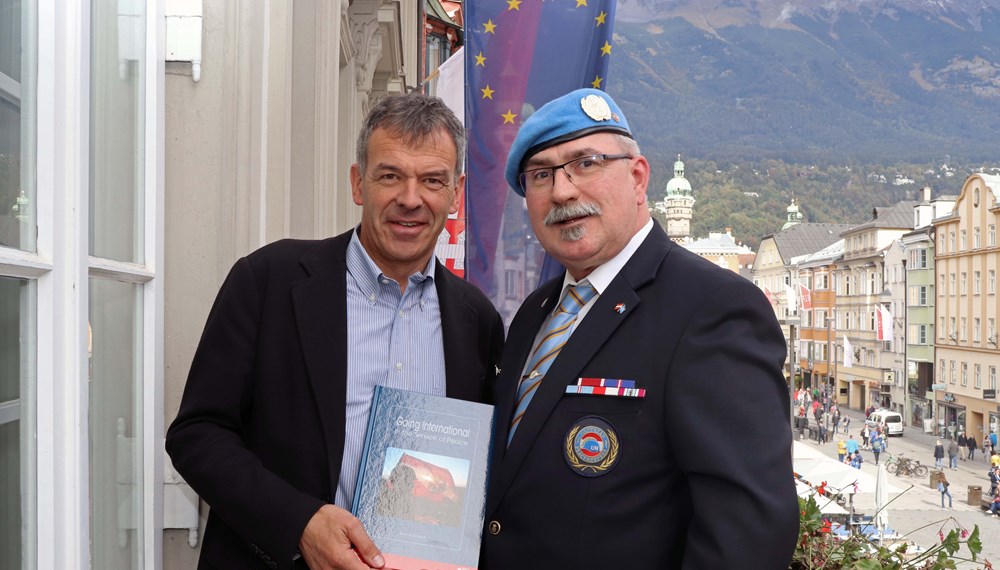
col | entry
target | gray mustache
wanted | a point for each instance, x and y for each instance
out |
(567, 212)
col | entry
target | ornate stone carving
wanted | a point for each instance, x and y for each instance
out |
(367, 41)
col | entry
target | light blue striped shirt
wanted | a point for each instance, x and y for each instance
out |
(393, 340)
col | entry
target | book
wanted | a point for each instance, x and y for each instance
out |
(421, 491)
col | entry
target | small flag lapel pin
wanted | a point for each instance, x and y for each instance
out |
(620, 308)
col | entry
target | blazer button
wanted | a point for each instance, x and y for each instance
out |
(494, 528)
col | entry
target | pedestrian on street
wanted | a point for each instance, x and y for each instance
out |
(995, 506)
(942, 487)
(865, 434)
(952, 454)
(818, 415)
(987, 448)
(963, 446)
(972, 447)
(939, 455)
(876, 445)
(994, 480)
(841, 450)
(857, 460)
(852, 446)
(847, 423)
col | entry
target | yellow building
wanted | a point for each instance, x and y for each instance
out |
(721, 249)
(966, 311)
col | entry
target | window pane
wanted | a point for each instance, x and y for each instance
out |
(17, 186)
(115, 424)
(17, 503)
(117, 135)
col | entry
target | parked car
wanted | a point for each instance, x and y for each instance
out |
(891, 422)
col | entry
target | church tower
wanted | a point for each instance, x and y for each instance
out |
(792, 215)
(678, 205)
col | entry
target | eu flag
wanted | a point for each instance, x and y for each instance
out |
(520, 54)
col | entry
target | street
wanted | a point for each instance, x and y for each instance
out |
(917, 513)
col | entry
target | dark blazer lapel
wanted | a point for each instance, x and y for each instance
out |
(459, 333)
(515, 353)
(320, 302)
(600, 323)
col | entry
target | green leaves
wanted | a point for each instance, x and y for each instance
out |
(818, 549)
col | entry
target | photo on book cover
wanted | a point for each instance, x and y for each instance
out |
(423, 487)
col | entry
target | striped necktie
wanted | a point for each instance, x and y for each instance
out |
(557, 331)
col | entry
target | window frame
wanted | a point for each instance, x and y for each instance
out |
(60, 270)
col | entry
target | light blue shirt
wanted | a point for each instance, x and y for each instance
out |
(852, 446)
(393, 340)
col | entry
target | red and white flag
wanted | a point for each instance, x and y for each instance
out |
(769, 295)
(848, 353)
(807, 302)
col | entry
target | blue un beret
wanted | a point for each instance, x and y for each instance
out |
(575, 114)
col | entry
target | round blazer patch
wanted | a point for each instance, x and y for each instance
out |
(591, 448)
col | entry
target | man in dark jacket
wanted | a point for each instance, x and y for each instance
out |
(272, 422)
(594, 465)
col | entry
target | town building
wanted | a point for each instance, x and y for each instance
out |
(918, 319)
(144, 147)
(721, 249)
(774, 273)
(966, 311)
(862, 287)
(677, 206)
(817, 301)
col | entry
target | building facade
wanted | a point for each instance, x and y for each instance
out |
(144, 147)
(862, 288)
(919, 318)
(721, 249)
(777, 276)
(966, 311)
(817, 338)
(678, 205)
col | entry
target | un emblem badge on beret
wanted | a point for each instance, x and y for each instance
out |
(591, 448)
(596, 108)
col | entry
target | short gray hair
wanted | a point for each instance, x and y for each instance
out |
(628, 145)
(414, 118)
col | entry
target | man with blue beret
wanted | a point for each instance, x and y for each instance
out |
(623, 381)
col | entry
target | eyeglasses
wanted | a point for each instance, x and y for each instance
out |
(579, 171)
(393, 180)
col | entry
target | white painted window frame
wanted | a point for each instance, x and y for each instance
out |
(61, 269)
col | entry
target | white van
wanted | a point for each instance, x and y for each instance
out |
(891, 422)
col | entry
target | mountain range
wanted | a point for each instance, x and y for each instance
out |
(816, 81)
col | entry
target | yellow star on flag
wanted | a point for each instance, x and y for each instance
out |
(487, 92)
(601, 17)
(508, 117)
(489, 27)
(581, 3)
(596, 83)
(514, 5)
(605, 49)
(480, 60)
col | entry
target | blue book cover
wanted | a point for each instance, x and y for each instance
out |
(421, 488)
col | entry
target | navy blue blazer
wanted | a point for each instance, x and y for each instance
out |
(699, 472)
(260, 431)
